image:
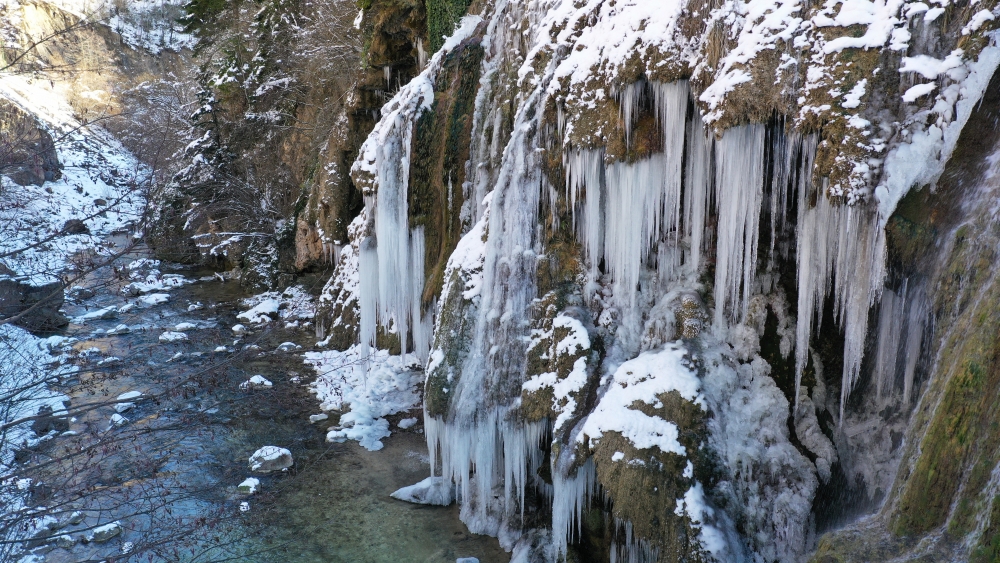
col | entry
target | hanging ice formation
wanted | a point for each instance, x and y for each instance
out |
(392, 255)
(631, 218)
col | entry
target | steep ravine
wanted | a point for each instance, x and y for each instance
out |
(669, 281)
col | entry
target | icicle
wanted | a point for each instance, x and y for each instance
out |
(890, 326)
(635, 194)
(368, 271)
(387, 73)
(696, 193)
(630, 100)
(633, 549)
(481, 456)
(783, 153)
(421, 54)
(739, 191)
(585, 179)
(571, 495)
(421, 324)
(841, 244)
(916, 318)
(671, 100)
(337, 251)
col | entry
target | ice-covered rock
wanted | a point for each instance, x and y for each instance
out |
(436, 491)
(172, 336)
(314, 418)
(239, 330)
(271, 458)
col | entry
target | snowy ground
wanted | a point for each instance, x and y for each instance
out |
(28, 363)
(142, 24)
(94, 167)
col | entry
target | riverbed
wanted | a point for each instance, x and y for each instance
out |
(167, 467)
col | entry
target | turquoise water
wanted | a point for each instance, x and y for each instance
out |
(170, 474)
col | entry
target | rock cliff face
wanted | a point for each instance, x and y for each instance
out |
(686, 277)
(28, 155)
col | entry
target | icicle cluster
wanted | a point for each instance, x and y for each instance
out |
(392, 255)
(841, 249)
(636, 220)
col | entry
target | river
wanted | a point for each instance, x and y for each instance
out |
(169, 473)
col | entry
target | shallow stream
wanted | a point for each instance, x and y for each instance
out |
(170, 473)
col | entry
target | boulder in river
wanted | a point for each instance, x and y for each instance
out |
(47, 420)
(249, 486)
(38, 301)
(270, 458)
(126, 401)
(105, 532)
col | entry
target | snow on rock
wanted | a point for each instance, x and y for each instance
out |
(154, 281)
(641, 380)
(154, 299)
(171, 336)
(915, 92)
(271, 458)
(126, 401)
(105, 313)
(181, 327)
(292, 304)
(249, 486)
(263, 312)
(104, 533)
(256, 382)
(118, 330)
(436, 491)
(90, 158)
(151, 25)
(239, 330)
(372, 386)
(117, 420)
(567, 339)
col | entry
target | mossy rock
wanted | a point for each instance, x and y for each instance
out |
(643, 486)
